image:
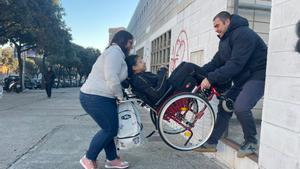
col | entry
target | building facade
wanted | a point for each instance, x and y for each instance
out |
(113, 31)
(172, 31)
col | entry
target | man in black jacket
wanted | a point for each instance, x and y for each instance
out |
(241, 58)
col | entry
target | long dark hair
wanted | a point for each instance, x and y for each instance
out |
(131, 61)
(121, 38)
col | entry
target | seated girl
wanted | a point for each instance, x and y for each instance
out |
(154, 86)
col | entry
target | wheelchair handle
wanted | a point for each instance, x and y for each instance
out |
(130, 100)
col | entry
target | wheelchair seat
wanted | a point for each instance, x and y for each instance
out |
(155, 105)
(163, 97)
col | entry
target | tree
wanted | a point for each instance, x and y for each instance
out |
(7, 59)
(86, 58)
(29, 24)
(80, 52)
(92, 55)
(75, 61)
(31, 67)
(39, 63)
(17, 28)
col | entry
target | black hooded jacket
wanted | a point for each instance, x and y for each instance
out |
(49, 77)
(148, 86)
(241, 56)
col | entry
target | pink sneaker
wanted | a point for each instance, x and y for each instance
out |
(88, 164)
(117, 163)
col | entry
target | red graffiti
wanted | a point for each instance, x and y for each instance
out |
(180, 50)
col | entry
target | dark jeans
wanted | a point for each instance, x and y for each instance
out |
(104, 111)
(245, 98)
(48, 89)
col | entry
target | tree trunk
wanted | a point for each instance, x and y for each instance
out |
(80, 78)
(70, 76)
(59, 74)
(64, 77)
(20, 61)
(43, 71)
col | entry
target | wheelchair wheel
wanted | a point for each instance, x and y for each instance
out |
(190, 113)
(170, 130)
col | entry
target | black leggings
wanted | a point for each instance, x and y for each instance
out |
(183, 71)
(48, 89)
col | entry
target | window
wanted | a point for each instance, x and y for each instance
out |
(160, 54)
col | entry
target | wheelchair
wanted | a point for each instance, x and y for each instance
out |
(184, 120)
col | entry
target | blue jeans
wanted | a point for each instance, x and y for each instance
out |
(245, 98)
(104, 112)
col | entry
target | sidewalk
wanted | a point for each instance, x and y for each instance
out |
(41, 133)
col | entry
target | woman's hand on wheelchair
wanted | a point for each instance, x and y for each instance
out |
(205, 84)
(120, 99)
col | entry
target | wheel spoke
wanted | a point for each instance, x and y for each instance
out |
(190, 121)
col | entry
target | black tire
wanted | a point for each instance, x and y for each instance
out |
(153, 118)
(17, 89)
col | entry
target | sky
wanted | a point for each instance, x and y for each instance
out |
(90, 20)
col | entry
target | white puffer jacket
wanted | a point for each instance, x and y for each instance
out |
(107, 73)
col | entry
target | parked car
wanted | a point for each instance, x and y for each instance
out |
(66, 83)
(37, 83)
(29, 83)
(12, 82)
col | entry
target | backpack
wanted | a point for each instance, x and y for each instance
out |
(130, 127)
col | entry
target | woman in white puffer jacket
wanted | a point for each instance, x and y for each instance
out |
(98, 97)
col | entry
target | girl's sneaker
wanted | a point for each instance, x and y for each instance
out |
(117, 163)
(88, 164)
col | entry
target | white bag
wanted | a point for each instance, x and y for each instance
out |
(130, 126)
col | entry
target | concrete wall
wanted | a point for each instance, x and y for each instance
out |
(194, 28)
(149, 16)
(280, 135)
(193, 39)
(189, 20)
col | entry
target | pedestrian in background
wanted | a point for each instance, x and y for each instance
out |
(49, 81)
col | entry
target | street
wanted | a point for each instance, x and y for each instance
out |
(41, 133)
